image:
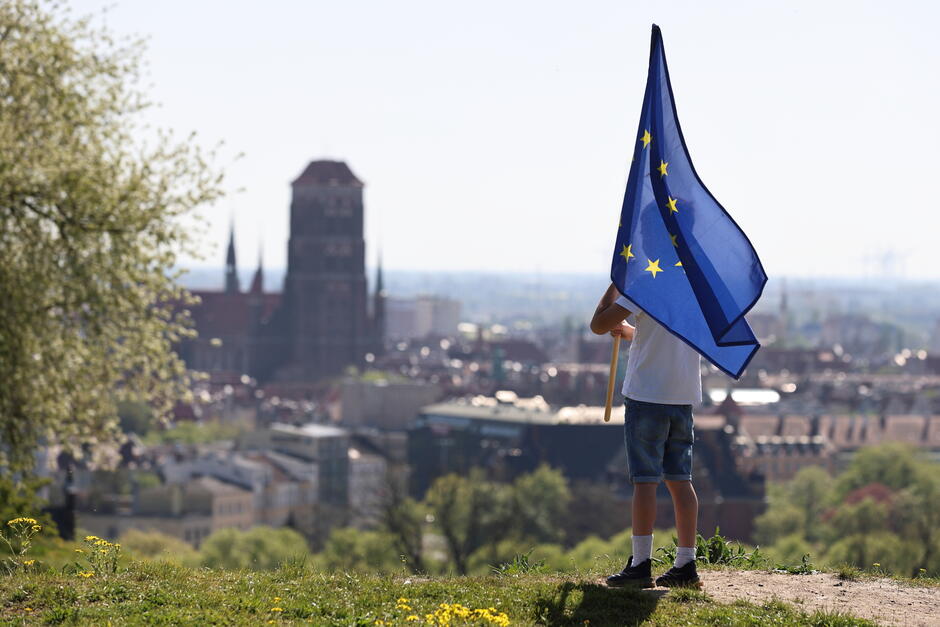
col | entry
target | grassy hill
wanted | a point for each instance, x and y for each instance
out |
(162, 593)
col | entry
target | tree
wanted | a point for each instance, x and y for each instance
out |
(892, 465)
(90, 232)
(540, 501)
(403, 520)
(470, 512)
(918, 510)
(259, 548)
(154, 545)
(795, 506)
(349, 549)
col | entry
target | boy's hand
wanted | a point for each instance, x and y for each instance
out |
(624, 331)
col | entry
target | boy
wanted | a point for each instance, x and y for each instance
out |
(662, 382)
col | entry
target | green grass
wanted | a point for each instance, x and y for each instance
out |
(160, 593)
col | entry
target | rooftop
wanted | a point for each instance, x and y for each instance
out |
(327, 173)
(311, 429)
(507, 407)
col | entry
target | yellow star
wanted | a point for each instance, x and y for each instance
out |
(627, 252)
(673, 238)
(653, 267)
(662, 167)
(646, 139)
(671, 205)
(679, 263)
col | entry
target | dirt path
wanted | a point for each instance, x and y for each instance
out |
(883, 600)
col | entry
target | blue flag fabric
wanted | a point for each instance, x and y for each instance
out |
(678, 254)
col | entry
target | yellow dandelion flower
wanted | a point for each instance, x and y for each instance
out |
(29, 562)
(86, 574)
(411, 618)
(401, 600)
(277, 609)
(22, 521)
(28, 609)
(277, 599)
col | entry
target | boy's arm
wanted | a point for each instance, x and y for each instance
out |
(609, 316)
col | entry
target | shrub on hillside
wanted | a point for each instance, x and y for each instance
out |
(259, 548)
(349, 549)
(153, 545)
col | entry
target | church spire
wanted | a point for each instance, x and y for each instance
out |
(257, 283)
(231, 267)
(378, 310)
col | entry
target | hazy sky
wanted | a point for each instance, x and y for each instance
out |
(497, 135)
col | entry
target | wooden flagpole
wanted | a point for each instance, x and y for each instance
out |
(612, 378)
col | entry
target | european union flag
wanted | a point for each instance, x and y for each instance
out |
(678, 253)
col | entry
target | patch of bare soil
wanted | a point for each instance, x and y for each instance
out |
(885, 601)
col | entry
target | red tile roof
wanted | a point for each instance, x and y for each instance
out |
(327, 173)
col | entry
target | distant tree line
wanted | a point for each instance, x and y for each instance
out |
(881, 513)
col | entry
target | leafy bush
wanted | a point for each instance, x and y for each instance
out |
(259, 548)
(153, 545)
(520, 564)
(716, 550)
(349, 549)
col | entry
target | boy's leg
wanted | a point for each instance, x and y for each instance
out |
(685, 506)
(646, 427)
(644, 517)
(677, 466)
(644, 508)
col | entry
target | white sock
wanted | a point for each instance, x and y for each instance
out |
(642, 548)
(684, 555)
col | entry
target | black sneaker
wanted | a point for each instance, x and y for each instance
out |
(639, 576)
(683, 577)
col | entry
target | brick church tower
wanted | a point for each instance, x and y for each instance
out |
(325, 288)
(320, 324)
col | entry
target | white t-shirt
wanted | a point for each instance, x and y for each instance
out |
(661, 368)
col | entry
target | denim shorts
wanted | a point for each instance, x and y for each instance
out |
(659, 441)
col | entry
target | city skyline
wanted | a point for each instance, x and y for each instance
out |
(497, 138)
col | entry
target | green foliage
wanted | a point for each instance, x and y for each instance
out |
(190, 432)
(798, 505)
(403, 519)
(350, 549)
(90, 233)
(472, 513)
(135, 417)
(19, 498)
(520, 564)
(17, 535)
(98, 557)
(540, 501)
(805, 567)
(884, 508)
(259, 548)
(789, 549)
(716, 550)
(153, 545)
(892, 465)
